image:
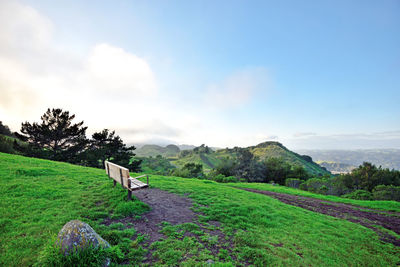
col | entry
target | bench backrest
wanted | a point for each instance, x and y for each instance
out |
(118, 173)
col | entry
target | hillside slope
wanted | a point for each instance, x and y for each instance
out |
(39, 196)
(274, 149)
(155, 150)
(261, 151)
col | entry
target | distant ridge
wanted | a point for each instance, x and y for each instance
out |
(387, 158)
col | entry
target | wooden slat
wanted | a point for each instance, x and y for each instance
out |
(144, 175)
(136, 187)
(136, 182)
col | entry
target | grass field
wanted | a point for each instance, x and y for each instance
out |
(38, 197)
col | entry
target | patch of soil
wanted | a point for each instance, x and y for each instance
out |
(367, 217)
(172, 208)
(165, 207)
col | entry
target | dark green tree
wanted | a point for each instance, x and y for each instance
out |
(277, 170)
(106, 145)
(4, 130)
(56, 137)
(298, 171)
(190, 170)
(226, 167)
(242, 167)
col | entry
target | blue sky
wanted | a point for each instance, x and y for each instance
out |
(310, 74)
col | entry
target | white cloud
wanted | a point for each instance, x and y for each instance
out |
(23, 29)
(237, 89)
(112, 68)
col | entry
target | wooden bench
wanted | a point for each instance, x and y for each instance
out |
(121, 175)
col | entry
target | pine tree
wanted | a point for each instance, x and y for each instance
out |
(56, 137)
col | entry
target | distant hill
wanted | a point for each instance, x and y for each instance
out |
(263, 151)
(277, 150)
(387, 158)
(186, 147)
(335, 167)
(154, 150)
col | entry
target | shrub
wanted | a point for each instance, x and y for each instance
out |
(359, 195)
(386, 192)
(220, 178)
(323, 190)
(314, 184)
(190, 170)
(293, 182)
(6, 145)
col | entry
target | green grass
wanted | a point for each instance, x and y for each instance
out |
(38, 197)
(376, 204)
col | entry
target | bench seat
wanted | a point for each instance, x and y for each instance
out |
(121, 175)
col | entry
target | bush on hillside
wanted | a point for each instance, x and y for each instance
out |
(190, 170)
(277, 169)
(323, 190)
(220, 178)
(386, 192)
(5, 130)
(313, 184)
(226, 167)
(298, 171)
(293, 182)
(359, 195)
(6, 145)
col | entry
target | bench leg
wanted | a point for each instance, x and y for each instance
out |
(129, 195)
(115, 182)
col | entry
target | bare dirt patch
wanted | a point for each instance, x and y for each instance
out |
(165, 207)
(171, 208)
(370, 218)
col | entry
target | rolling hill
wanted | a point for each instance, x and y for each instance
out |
(261, 151)
(155, 150)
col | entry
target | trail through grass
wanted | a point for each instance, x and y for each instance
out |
(375, 204)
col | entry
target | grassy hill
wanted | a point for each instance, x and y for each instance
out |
(277, 150)
(155, 150)
(262, 151)
(39, 196)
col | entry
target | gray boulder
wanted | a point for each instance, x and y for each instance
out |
(79, 235)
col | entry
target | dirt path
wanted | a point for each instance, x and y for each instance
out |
(172, 208)
(165, 207)
(367, 217)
